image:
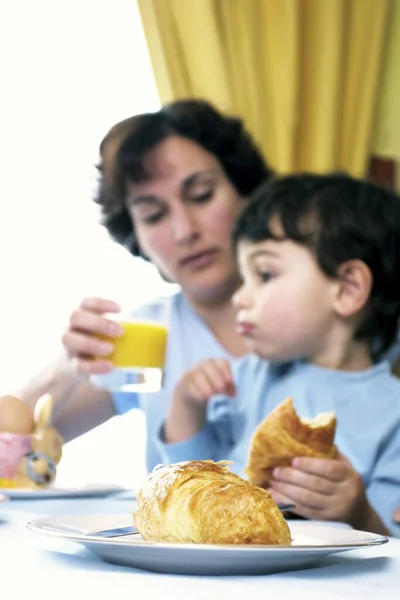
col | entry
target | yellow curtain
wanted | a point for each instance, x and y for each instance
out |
(386, 136)
(303, 74)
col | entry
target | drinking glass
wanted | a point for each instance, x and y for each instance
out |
(139, 353)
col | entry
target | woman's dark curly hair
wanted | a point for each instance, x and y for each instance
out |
(223, 136)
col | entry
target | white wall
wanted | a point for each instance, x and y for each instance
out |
(69, 71)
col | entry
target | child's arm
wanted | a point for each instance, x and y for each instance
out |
(327, 490)
(186, 434)
(187, 414)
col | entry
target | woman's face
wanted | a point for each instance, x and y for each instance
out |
(183, 217)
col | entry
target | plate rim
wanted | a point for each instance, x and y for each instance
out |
(20, 492)
(33, 525)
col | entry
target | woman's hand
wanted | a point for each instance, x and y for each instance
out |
(89, 353)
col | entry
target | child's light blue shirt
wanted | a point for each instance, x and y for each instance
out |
(367, 406)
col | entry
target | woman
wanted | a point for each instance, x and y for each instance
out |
(171, 186)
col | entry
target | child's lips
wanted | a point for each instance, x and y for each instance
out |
(244, 328)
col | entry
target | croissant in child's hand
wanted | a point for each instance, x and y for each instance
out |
(203, 503)
(282, 436)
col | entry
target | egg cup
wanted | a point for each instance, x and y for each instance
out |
(13, 447)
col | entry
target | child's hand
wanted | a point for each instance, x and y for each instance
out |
(187, 414)
(322, 489)
(208, 378)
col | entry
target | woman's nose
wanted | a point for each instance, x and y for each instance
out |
(185, 226)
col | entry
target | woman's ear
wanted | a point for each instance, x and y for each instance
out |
(355, 284)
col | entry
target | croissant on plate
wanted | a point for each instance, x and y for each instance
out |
(282, 436)
(204, 503)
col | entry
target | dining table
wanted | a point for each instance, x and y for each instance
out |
(45, 567)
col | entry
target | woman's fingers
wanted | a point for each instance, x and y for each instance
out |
(80, 344)
(99, 305)
(92, 367)
(90, 322)
(80, 340)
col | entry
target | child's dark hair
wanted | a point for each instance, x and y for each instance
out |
(223, 136)
(339, 218)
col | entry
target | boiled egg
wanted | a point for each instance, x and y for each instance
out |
(15, 416)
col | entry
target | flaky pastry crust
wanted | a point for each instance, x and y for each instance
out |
(204, 503)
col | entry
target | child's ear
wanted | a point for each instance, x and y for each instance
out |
(355, 284)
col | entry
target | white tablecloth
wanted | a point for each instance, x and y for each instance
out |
(35, 566)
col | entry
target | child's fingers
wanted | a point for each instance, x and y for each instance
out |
(280, 498)
(210, 378)
(215, 375)
(328, 468)
(304, 480)
(299, 495)
(200, 387)
(224, 368)
(220, 372)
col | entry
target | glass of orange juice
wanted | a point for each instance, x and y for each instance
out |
(139, 353)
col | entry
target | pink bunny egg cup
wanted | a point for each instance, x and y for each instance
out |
(30, 461)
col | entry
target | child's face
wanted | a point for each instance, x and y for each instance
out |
(285, 305)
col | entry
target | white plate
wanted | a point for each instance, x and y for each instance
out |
(310, 543)
(55, 491)
(3, 498)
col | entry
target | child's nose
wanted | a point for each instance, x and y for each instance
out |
(241, 298)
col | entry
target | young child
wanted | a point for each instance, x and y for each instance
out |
(320, 302)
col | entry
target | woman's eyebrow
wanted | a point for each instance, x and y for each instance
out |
(193, 178)
(139, 200)
(185, 186)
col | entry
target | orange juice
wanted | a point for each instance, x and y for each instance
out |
(142, 345)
